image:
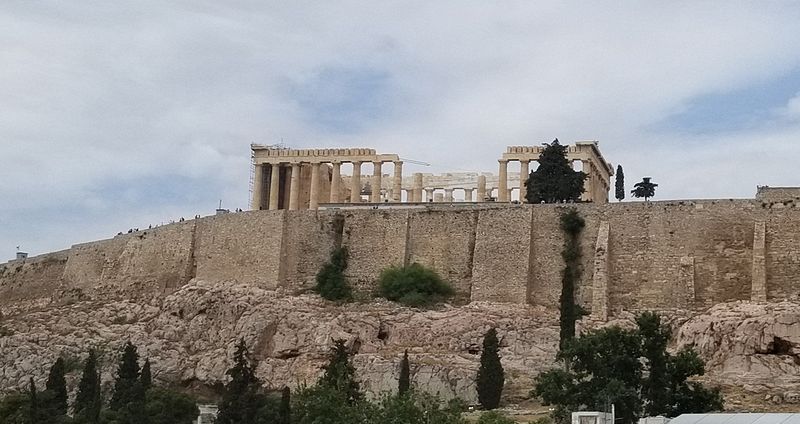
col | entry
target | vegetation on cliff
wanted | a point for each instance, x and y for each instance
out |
(491, 377)
(413, 285)
(571, 224)
(554, 181)
(331, 282)
(630, 369)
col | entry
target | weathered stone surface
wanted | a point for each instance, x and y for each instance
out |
(191, 333)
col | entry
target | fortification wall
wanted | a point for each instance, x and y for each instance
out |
(652, 256)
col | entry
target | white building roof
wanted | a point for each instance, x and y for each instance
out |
(737, 419)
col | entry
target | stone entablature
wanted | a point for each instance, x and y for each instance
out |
(777, 194)
(304, 178)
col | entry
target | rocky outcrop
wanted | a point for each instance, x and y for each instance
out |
(190, 334)
(755, 346)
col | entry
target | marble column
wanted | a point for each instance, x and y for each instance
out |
(375, 197)
(524, 173)
(587, 185)
(448, 195)
(502, 195)
(397, 183)
(294, 189)
(417, 188)
(355, 183)
(258, 188)
(481, 188)
(313, 196)
(468, 195)
(274, 186)
(429, 194)
(336, 180)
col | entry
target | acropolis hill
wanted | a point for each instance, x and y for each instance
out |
(724, 273)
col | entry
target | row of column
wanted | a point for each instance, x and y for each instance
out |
(504, 193)
(293, 175)
(595, 187)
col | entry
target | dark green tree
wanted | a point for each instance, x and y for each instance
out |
(644, 188)
(554, 181)
(146, 376)
(619, 184)
(323, 404)
(53, 400)
(340, 374)
(34, 415)
(621, 367)
(128, 401)
(88, 401)
(571, 224)
(243, 397)
(331, 282)
(285, 409)
(491, 377)
(166, 406)
(404, 383)
(15, 408)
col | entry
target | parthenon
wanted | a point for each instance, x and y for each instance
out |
(307, 178)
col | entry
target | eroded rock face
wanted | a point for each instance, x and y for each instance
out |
(190, 335)
(755, 346)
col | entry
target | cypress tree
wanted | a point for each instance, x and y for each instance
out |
(285, 411)
(128, 400)
(33, 403)
(340, 374)
(404, 384)
(655, 386)
(571, 224)
(619, 184)
(554, 181)
(55, 402)
(146, 377)
(242, 398)
(87, 401)
(491, 377)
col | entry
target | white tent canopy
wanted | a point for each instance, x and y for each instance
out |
(737, 419)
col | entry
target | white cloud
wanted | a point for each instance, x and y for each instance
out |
(107, 96)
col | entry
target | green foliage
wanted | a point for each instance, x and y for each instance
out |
(490, 377)
(146, 376)
(414, 285)
(340, 374)
(323, 404)
(285, 409)
(88, 401)
(166, 406)
(417, 408)
(331, 283)
(54, 398)
(571, 224)
(15, 409)
(128, 401)
(644, 188)
(612, 365)
(404, 383)
(243, 401)
(554, 181)
(619, 184)
(494, 417)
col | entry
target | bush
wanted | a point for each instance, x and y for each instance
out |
(331, 283)
(493, 417)
(413, 285)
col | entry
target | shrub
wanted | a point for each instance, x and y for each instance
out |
(331, 283)
(413, 285)
(493, 417)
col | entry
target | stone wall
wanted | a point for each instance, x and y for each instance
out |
(655, 255)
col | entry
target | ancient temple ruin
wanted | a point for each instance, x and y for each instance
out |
(307, 178)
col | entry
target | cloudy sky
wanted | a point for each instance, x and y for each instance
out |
(120, 114)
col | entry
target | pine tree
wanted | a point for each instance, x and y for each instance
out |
(242, 398)
(490, 377)
(404, 384)
(54, 400)
(554, 180)
(128, 400)
(619, 184)
(87, 401)
(285, 410)
(146, 377)
(644, 188)
(340, 374)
